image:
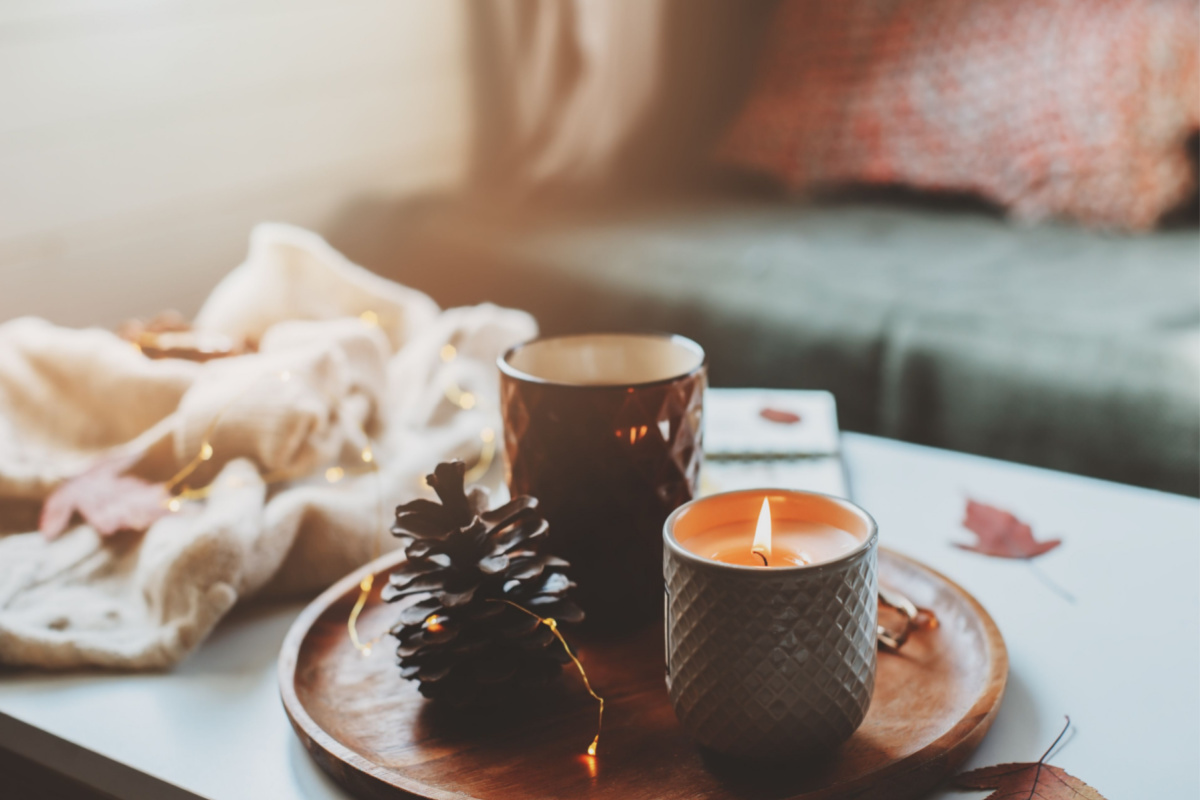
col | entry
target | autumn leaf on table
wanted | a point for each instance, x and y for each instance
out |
(779, 416)
(106, 499)
(1025, 781)
(1037, 780)
(1002, 534)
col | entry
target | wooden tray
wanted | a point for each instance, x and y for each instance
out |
(379, 738)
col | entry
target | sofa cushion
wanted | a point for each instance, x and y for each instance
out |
(984, 97)
(1049, 345)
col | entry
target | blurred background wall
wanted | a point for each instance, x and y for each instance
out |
(826, 195)
(141, 139)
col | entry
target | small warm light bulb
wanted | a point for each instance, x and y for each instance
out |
(466, 401)
(367, 455)
(370, 318)
(487, 435)
(448, 352)
(762, 531)
(433, 624)
(174, 504)
(593, 745)
(206, 451)
(334, 474)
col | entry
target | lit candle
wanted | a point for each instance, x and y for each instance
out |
(773, 543)
(770, 662)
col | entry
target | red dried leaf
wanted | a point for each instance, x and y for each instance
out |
(780, 416)
(168, 335)
(106, 499)
(1022, 781)
(1002, 534)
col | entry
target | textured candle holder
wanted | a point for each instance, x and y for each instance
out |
(770, 663)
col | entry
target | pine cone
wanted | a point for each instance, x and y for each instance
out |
(457, 638)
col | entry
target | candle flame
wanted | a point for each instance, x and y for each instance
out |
(762, 531)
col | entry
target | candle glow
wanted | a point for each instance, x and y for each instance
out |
(771, 542)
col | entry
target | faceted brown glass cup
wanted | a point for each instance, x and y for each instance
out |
(605, 430)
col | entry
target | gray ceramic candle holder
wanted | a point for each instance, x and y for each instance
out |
(771, 663)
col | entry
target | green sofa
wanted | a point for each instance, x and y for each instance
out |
(1049, 345)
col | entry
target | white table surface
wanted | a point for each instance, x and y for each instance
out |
(1123, 659)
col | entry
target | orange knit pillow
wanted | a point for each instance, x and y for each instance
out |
(1069, 108)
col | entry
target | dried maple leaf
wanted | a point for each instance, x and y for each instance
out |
(780, 416)
(107, 500)
(1038, 780)
(168, 335)
(1002, 534)
(1024, 781)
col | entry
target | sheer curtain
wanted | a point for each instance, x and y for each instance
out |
(568, 88)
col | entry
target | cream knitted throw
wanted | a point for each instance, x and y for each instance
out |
(322, 377)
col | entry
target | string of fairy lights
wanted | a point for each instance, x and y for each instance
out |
(454, 394)
(552, 624)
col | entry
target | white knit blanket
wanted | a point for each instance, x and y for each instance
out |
(343, 355)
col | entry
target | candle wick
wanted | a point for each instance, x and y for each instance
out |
(763, 557)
